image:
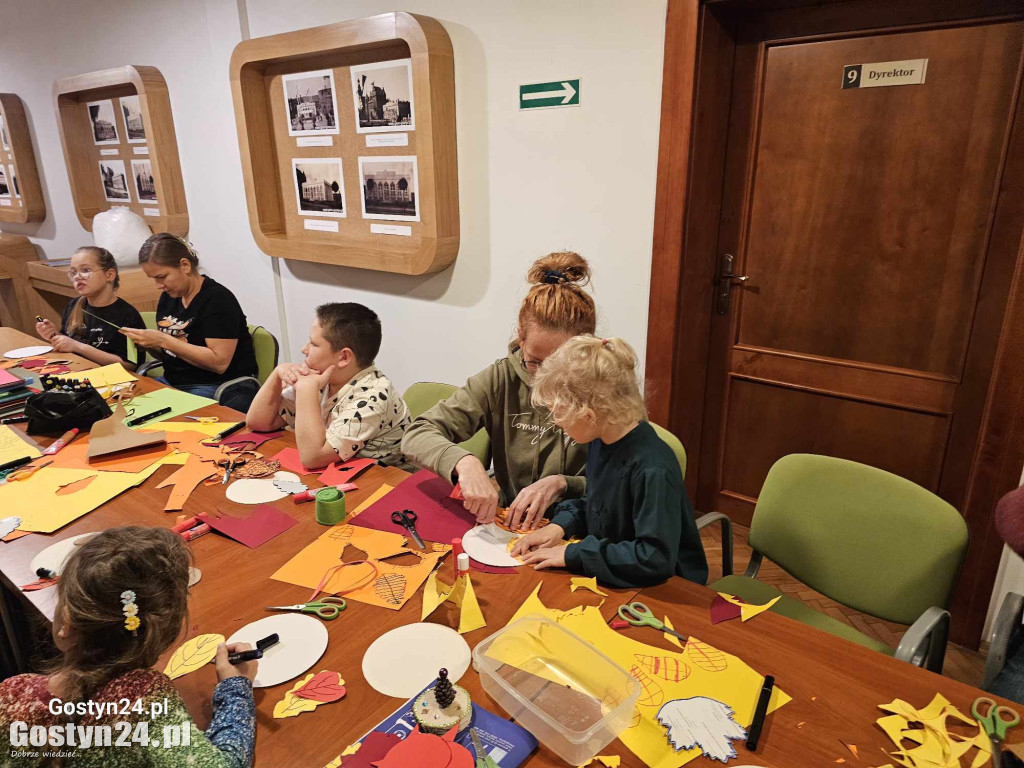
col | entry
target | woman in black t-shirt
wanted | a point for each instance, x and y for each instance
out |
(202, 335)
(90, 324)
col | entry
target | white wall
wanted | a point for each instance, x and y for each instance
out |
(529, 183)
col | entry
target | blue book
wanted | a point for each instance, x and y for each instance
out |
(506, 743)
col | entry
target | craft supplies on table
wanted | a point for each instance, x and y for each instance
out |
(327, 608)
(303, 641)
(330, 506)
(639, 615)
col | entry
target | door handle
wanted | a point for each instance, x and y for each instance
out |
(725, 280)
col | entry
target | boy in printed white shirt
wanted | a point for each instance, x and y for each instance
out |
(339, 404)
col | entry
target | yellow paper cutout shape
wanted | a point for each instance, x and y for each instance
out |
(748, 611)
(292, 705)
(578, 582)
(211, 429)
(671, 638)
(608, 761)
(104, 376)
(193, 655)
(461, 594)
(664, 675)
(372, 499)
(937, 747)
(42, 511)
(13, 447)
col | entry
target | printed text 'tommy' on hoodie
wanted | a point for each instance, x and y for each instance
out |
(525, 443)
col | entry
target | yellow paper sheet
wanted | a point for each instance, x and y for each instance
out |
(699, 670)
(103, 376)
(608, 761)
(671, 638)
(748, 611)
(578, 582)
(461, 594)
(43, 511)
(384, 490)
(14, 447)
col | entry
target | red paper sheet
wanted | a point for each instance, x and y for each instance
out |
(345, 472)
(289, 458)
(441, 518)
(253, 439)
(723, 610)
(261, 526)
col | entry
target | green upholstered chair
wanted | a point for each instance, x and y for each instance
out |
(705, 520)
(424, 395)
(264, 345)
(863, 537)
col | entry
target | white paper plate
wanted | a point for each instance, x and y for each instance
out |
(402, 662)
(488, 544)
(303, 641)
(54, 556)
(259, 490)
(17, 354)
(194, 575)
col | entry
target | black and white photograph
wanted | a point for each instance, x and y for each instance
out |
(383, 96)
(3, 135)
(115, 181)
(310, 103)
(142, 177)
(5, 188)
(14, 181)
(104, 125)
(131, 110)
(319, 186)
(389, 188)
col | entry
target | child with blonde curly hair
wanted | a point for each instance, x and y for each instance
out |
(636, 522)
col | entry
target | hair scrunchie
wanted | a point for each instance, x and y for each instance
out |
(555, 276)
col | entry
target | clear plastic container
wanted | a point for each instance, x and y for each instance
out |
(556, 685)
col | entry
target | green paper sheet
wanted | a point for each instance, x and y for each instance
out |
(179, 402)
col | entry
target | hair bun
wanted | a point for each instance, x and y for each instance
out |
(559, 268)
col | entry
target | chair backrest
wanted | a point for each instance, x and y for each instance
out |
(267, 351)
(674, 443)
(869, 539)
(424, 395)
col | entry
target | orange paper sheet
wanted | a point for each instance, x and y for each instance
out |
(185, 480)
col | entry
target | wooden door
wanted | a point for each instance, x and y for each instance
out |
(863, 219)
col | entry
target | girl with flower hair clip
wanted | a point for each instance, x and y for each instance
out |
(121, 603)
(636, 523)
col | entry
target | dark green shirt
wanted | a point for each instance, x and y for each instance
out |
(636, 521)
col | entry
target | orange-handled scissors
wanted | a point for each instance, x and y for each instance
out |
(24, 473)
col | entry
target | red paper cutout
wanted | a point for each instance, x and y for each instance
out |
(323, 688)
(289, 458)
(425, 750)
(723, 610)
(33, 362)
(35, 585)
(374, 747)
(336, 474)
(457, 493)
(261, 526)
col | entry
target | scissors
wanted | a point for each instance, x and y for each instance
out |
(407, 519)
(327, 608)
(996, 721)
(229, 465)
(639, 615)
(23, 473)
(204, 419)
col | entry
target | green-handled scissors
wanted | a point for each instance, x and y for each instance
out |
(639, 615)
(996, 721)
(327, 608)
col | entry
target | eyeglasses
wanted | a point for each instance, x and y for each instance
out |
(531, 366)
(85, 274)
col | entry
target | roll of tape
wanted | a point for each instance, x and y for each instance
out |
(330, 506)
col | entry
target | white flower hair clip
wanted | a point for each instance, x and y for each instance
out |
(131, 611)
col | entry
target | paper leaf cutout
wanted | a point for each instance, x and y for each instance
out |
(193, 655)
(428, 751)
(292, 705)
(363, 754)
(390, 588)
(578, 582)
(666, 667)
(702, 722)
(724, 610)
(324, 688)
(110, 435)
(652, 694)
(704, 656)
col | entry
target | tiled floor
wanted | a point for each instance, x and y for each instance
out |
(961, 663)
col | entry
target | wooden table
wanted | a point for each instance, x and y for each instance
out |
(836, 686)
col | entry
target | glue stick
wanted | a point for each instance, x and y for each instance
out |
(463, 563)
(457, 552)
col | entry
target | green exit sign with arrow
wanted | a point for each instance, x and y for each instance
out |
(560, 93)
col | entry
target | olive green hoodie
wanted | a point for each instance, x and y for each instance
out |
(525, 443)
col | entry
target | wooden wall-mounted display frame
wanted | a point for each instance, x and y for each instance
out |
(423, 129)
(22, 202)
(110, 142)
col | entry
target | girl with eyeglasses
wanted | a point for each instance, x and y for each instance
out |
(535, 463)
(90, 323)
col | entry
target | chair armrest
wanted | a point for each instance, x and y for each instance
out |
(1008, 620)
(223, 387)
(924, 644)
(715, 517)
(145, 368)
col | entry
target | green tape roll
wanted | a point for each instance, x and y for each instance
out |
(330, 506)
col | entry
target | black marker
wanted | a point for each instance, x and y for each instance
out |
(759, 714)
(15, 463)
(261, 646)
(46, 573)
(229, 431)
(148, 417)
